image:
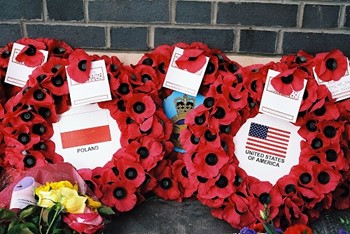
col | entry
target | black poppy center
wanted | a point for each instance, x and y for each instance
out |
(192, 58)
(199, 120)
(44, 112)
(139, 107)
(184, 172)
(82, 65)
(24, 138)
(166, 183)
(253, 85)
(38, 129)
(290, 188)
(222, 182)
(238, 180)
(209, 102)
(220, 113)
(57, 81)
(123, 88)
(320, 111)
(305, 178)
(148, 62)
(323, 178)
(210, 68)
(225, 129)
(30, 51)
(40, 77)
(29, 161)
(145, 78)
(211, 159)
(5, 54)
(113, 67)
(202, 179)
(315, 159)
(265, 198)
(194, 139)
(232, 67)
(300, 59)
(40, 146)
(131, 173)
(287, 79)
(331, 64)
(331, 155)
(316, 143)
(115, 171)
(209, 136)
(39, 95)
(143, 152)
(119, 193)
(329, 131)
(311, 125)
(27, 116)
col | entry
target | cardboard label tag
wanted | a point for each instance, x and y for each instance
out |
(281, 106)
(95, 89)
(182, 80)
(176, 108)
(267, 147)
(23, 193)
(86, 136)
(17, 73)
(340, 89)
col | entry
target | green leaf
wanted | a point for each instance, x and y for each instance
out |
(2, 229)
(105, 210)
(29, 210)
(7, 215)
(269, 228)
(31, 226)
(57, 231)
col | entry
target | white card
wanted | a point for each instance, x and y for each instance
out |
(340, 89)
(267, 147)
(86, 136)
(182, 80)
(23, 193)
(278, 105)
(95, 89)
(17, 73)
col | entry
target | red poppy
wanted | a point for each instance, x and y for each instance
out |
(31, 55)
(327, 178)
(181, 175)
(167, 188)
(79, 66)
(119, 195)
(140, 107)
(310, 96)
(298, 229)
(57, 48)
(291, 212)
(288, 81)
(223, 185)
(208, 161)
(20, 137)
(23, 160)
(129, 171)
(147, 151)
(237, 213)
(341, 194)
(191, 60)
(331, 65)
(87, 175)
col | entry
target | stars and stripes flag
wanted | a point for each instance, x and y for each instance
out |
(268, 140)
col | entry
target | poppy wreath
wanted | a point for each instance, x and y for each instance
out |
(209, 169)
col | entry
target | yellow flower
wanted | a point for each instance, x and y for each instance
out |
(44, 188)
(60, 184)
(92, 203)
(48, 198)
(71, 201)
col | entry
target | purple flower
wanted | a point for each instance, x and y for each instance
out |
(342, 231)
(246, 230)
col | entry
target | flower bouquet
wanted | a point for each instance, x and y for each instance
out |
(56, 206)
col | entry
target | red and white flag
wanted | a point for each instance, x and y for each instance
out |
(268, 140)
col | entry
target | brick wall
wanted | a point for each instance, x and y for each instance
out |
(240, 26)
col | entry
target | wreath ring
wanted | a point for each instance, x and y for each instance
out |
(209, 168)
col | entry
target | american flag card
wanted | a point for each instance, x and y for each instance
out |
(268, 140)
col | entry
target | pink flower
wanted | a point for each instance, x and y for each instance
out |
(84, 223)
